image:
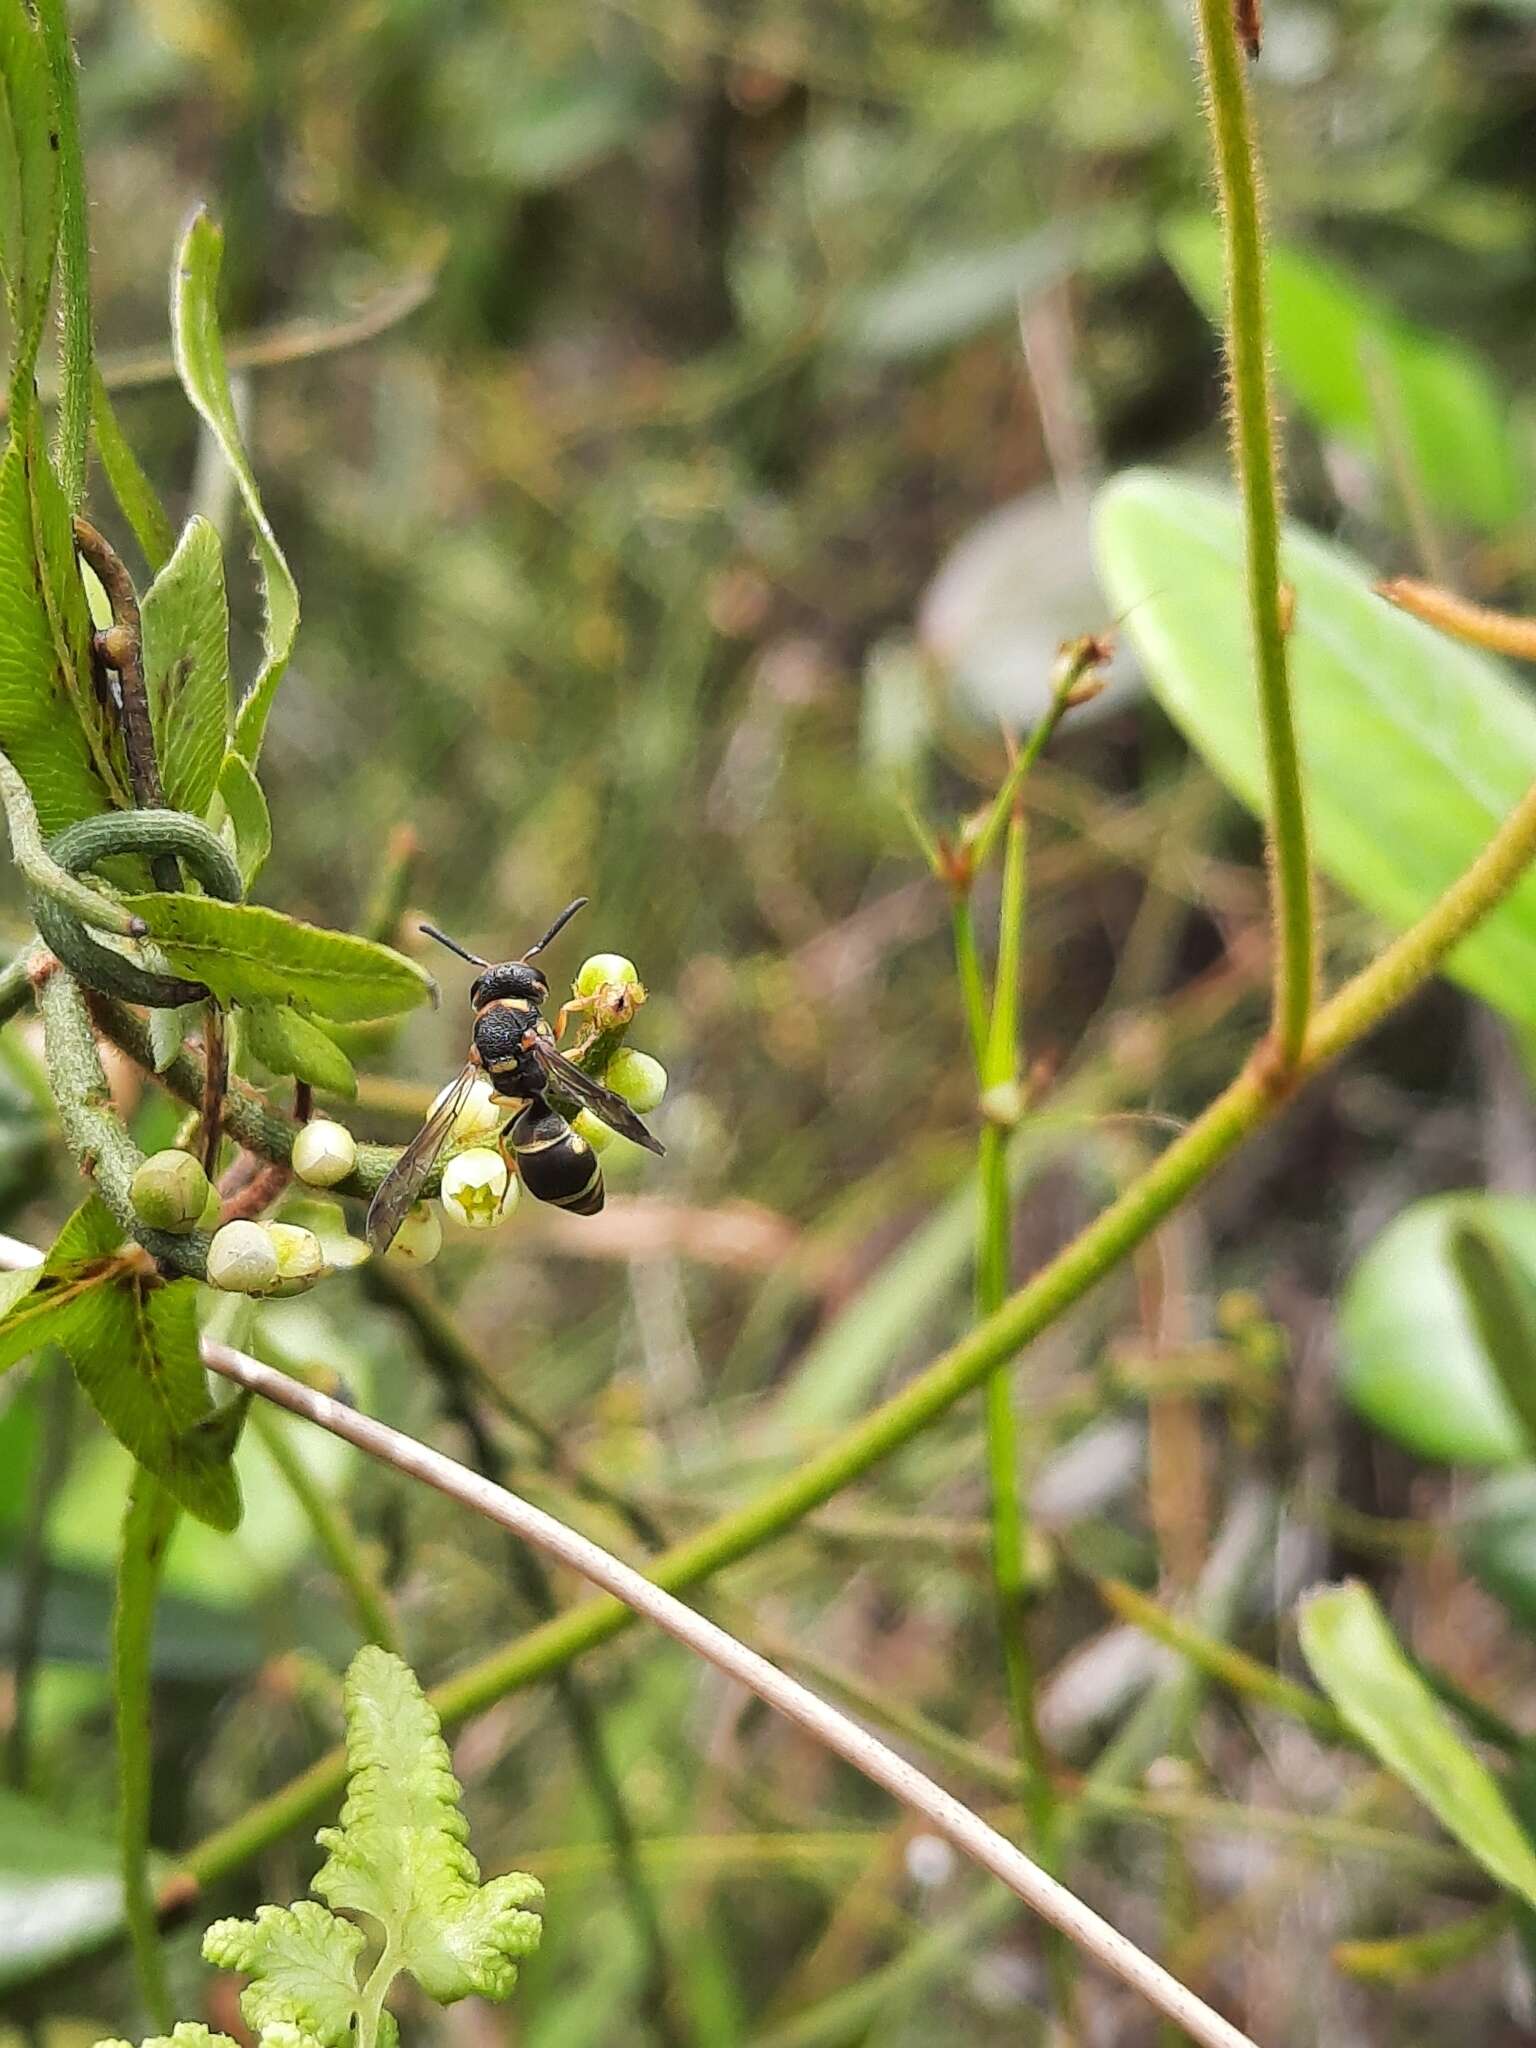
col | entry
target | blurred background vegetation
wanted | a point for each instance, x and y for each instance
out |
(681, 420)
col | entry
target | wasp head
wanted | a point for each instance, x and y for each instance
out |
(514, 979)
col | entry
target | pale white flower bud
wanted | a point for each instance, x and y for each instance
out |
(170, 1192)
(478, 1115)
(243, 1259)
(419, 1239)
(597, 1134)
(324, 1153)
(477, 1190)
(641, 1080)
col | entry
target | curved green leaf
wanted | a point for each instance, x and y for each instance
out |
(249, 954)
(134, 1349)
(199, 352)
(1501, 1298)
(61, 1890)
(1357, 1661)
(29, 185)
(186, 667)
(287, 1043)
(40, 725)
(1410, 1357)
(1414, 748)
(245, 805)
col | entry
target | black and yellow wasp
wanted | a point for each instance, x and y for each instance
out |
(515, 1047)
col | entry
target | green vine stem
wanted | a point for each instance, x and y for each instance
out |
(147, 1525)
(1253, 449)
(43, 873)
(1243, 1107)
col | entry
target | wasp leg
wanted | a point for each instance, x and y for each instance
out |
(569, 1010)
(508, 1160)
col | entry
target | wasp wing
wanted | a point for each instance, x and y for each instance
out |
(404, 1182)
(568, 1079)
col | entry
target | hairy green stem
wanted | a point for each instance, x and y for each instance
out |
(1253, 448)
(147, 1526)
(1247, 1103)
(44, 874)
(102, 1149)
(331, 1530)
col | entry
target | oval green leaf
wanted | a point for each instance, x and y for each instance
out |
(249, 954)
(1357, 1661)
(1414, 748)
(1497, 1537)
(1410, 1358)
(186, 667)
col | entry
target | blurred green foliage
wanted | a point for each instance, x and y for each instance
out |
(613, 555)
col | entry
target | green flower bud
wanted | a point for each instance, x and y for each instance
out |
(299, 1252)
(212, 1208)
(324, 1153)
(170, 1192)
(597, 1134)
(243, 1259)
(606, 970)
(641, 1080)
(419, 1239)
(479, 1116)
(477, 1190)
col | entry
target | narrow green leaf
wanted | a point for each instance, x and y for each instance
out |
(1415, 1958)
(39, 728)
(249, 954)
(245, 803)
(134, 1348)
(29, 190)
(186, 667)
(75, 365)
(1358, 1662)
(1368, 376)
(136, 496)
(954, 294)
(1502, 1301)
(287, 1043)
(200, 363)
(60, 1891)
(1450, 741)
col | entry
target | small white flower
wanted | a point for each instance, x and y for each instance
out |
(419, 1239)
(324, 1153)
(478, 1115)
(243, 1259)
(477, 1190)
(606, 970)
(641, 1080)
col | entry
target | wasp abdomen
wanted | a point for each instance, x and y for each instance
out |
(554, 1163)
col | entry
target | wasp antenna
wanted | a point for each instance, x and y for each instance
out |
(559, 925)
(453, 945)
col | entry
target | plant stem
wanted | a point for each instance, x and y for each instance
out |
(965, 1830)
(1247, 1103)
(147, 1527)
(331, 1530)
(1253, 449)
